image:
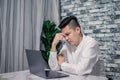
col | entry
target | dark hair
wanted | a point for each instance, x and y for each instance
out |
(71, 21)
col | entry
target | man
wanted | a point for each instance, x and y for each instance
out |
(80, 53)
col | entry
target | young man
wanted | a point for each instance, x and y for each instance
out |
(79, 54)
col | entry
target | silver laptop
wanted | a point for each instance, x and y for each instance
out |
(39, 67)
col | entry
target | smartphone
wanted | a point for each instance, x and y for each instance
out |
(60, 45)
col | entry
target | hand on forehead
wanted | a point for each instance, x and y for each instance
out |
(62, 34)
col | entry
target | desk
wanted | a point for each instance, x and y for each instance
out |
(25, 75)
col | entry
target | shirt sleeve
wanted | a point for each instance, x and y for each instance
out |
(87, 61)
(53, 62)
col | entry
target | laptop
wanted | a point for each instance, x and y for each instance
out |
(39, 67)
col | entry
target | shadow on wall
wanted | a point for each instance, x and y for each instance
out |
(0, 33)
(0, 41)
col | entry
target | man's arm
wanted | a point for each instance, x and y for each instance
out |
(53, 60)
(86, 61)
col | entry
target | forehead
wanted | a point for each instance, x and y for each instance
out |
(66, 30)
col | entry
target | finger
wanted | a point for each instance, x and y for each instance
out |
(59, 36)
(60, 54)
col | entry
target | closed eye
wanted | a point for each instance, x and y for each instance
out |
(67, 34)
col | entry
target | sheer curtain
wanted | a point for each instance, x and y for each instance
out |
(20, 29)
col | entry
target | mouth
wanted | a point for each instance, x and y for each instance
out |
(69, 42)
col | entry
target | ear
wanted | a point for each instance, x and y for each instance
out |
(78, 29)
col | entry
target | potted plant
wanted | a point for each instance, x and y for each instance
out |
(48, 33)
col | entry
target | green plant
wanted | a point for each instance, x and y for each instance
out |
(48, 33)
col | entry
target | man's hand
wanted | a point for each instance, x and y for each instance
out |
(61, 59)
(58, 38)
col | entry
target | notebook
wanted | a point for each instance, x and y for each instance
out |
(39, 67)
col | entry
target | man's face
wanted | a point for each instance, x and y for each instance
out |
(71, 35)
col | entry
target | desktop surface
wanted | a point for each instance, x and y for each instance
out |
(26, 75)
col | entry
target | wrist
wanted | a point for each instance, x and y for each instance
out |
(53, 48)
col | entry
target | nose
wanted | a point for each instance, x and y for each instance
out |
(66, 38)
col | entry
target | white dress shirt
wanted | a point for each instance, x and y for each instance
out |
(79, 60)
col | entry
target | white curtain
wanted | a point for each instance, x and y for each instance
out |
(20, 29)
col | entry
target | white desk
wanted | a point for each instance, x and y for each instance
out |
(25, 75)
